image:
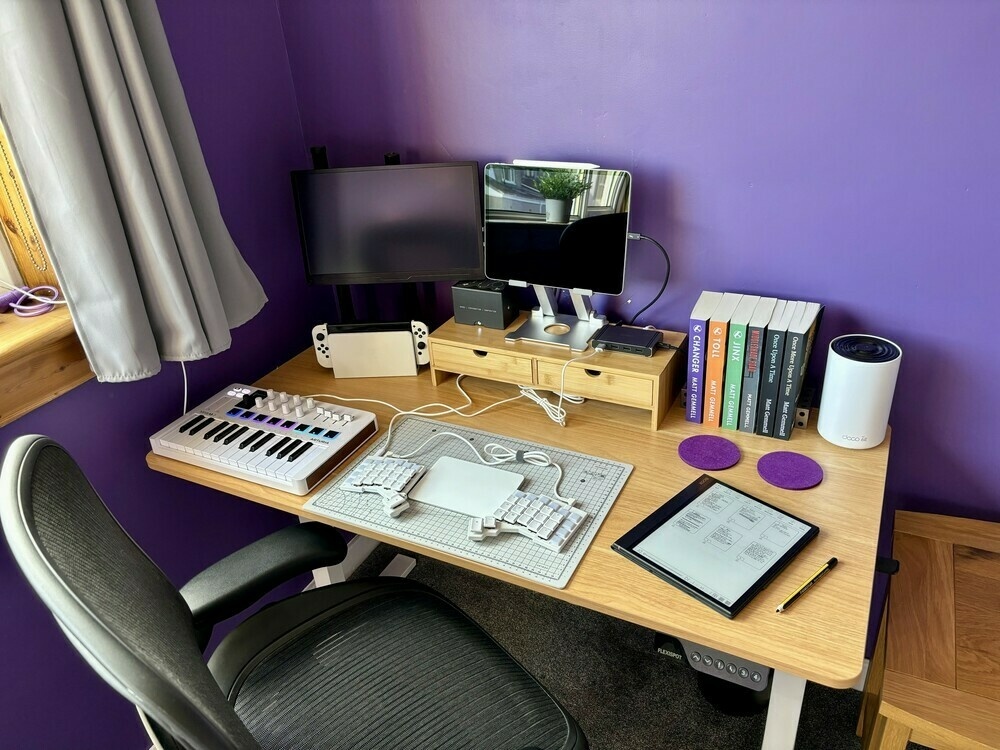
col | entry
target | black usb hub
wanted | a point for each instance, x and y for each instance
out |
(627, 339)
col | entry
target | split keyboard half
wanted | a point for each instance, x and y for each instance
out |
(542, 519)
(274, 439)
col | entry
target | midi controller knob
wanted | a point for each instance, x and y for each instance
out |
(232, 433)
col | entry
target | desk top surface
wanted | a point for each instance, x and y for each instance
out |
(822, 638)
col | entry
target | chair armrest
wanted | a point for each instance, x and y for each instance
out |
(234, 583)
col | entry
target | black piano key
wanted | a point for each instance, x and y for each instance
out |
(261, 442)
(252, 438)
(233, 435)
(289, 448)
(211, 433)
(190, 423)
(277, 446)
(203, 425)
(219, 435)
(302, 449)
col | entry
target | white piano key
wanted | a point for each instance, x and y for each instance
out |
(287, 473)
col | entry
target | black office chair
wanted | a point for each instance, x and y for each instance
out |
(383, 663)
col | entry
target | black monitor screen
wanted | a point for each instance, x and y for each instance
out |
(563, 228)
(412, 222)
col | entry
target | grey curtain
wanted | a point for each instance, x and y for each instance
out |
(97, 118)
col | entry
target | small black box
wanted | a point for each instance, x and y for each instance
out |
(627, 339)
(481, 302)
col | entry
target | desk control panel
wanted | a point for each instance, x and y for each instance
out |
(716, 663)
(275, 439)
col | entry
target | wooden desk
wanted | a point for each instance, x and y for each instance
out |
(821, 639)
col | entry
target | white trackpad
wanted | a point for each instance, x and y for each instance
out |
(465, 487)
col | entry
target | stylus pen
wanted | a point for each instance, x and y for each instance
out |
(827, 567)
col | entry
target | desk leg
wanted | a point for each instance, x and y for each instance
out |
(358, 549)
(783, 711)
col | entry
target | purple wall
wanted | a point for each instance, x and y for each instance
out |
(842, 152)
(231, 59)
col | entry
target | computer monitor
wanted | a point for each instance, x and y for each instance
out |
(410, 222)
(557, 228)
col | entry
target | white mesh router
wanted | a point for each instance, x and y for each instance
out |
(861, 373)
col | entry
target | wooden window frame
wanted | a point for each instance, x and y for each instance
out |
(41, 357)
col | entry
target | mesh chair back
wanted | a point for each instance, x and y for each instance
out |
(119, 610)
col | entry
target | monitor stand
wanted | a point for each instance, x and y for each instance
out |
(546, 326)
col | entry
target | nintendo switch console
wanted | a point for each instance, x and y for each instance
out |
(372, 350)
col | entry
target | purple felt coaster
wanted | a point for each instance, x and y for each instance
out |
(790, 471)
(708, 452)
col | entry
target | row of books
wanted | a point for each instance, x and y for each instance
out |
(747, 360)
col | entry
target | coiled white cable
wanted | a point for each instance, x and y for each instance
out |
(556, 412)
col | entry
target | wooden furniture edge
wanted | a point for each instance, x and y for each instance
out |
(872, 691)
(41, 358)
(965, 531)
(925, 707)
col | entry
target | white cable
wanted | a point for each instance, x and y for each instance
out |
(500, 454)
(35, 297)
(185, 376)
(496, 453)
(556, 412)
(419, 410)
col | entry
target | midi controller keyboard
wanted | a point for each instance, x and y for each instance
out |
(272, 438)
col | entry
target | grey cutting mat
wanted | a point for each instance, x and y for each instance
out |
(594, 482)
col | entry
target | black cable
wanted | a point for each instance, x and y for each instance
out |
(666, 278)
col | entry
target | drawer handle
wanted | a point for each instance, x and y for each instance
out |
(479, 352)
(593, 373)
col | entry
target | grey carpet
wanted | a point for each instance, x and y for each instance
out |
(607, 674)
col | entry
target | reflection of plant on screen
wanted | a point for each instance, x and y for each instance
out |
(560, 185)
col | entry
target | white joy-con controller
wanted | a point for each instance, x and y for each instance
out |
(421, 351)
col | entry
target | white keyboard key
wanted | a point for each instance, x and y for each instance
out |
(540, 518)
(391, 478)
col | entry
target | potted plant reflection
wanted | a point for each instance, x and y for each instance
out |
(559, 188)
